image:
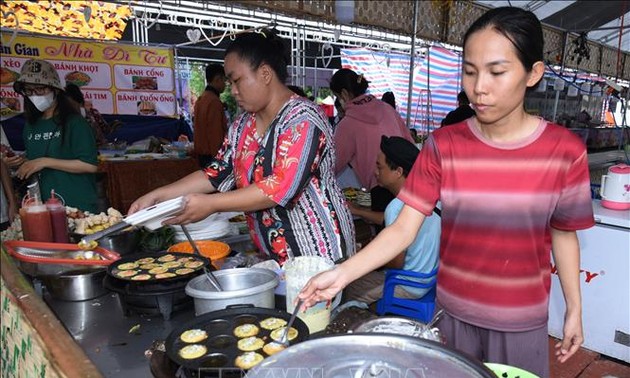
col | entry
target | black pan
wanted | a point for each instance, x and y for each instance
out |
(221, 342)
(113, 268)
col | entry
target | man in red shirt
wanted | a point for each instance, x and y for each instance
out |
(209, 122)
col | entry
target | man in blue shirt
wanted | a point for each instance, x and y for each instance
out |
(394, 162)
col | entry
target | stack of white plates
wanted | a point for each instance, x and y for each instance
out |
(364, 199)
(213, 227)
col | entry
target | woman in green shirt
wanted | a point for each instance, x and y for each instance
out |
(60, 145)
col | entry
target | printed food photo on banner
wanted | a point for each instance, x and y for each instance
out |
(145, 83)
(12, 103)
(77, 78)
(146, 108)
(7, 76)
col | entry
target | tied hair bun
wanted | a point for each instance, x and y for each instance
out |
(276, 42)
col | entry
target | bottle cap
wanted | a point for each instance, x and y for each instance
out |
(54, 199)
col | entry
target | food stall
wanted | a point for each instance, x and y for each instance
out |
(107, 336)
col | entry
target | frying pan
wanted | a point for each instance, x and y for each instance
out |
(221, 342)
(129, 259)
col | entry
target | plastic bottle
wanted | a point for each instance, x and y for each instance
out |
(31, 198)
(58, 219)
(37, 221)
(25, 232)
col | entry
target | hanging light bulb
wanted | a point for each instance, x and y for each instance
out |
(542, 86)
(585, 88)
(573, 91)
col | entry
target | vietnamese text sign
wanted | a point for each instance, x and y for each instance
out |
(117, 78)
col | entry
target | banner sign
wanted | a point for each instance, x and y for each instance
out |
(116, 78)
(436, 81)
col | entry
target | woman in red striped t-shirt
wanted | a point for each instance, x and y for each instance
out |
(512, 188)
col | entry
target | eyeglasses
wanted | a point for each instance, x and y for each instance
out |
(39, 91)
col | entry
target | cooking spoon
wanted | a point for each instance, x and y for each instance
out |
(284, 340)
(213, 280)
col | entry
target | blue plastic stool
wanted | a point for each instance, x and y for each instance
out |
(421, 308)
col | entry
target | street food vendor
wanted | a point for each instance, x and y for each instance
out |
(513, 188)
(60, 145)
(276, 163)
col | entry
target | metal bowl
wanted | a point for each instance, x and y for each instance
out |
(371, 355)
(399, 326)
(78, 285)
(124, 243)
(253, 286)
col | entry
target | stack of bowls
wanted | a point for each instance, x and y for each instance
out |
(213, 227)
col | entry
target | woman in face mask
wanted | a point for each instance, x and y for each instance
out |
(60, 145)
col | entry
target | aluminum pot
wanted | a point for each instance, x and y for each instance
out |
(78, 285)
(370, 355)
(253, 286)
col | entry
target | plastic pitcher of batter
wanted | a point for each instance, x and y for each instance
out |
(297, 273)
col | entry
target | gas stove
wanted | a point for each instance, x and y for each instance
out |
(150, 298)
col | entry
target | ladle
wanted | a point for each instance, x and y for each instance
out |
(213, 280)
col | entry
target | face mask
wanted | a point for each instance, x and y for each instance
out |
(42, 103)
(83, 112)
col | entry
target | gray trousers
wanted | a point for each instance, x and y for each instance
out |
(527, 350)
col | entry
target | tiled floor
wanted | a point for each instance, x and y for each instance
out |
(587, 364)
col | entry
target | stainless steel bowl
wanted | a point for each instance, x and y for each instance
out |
(399, 326)
(370, 355)
(124, 243)
(253, 286)
(78, 285)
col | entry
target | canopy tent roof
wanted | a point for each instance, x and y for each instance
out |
(602, 21)
(580, 35)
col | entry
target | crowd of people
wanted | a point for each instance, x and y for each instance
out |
(458, 204)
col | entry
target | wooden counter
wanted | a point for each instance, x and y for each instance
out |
(129, 179)
(34, 342)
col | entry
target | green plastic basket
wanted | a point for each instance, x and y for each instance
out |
(506, 371)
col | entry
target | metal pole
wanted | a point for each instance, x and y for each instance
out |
(303, 57)
(412, 59)
(178, 82)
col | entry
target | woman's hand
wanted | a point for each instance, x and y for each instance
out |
(197, 207)
(573, 337)
(14, 161)
(323, 287)
(30, 167)
(143, 202)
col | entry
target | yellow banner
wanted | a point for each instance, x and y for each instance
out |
(78, 19)
(117, 78)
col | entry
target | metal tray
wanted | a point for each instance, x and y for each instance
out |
(38, 259)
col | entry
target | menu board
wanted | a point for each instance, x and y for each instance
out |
(115, 78)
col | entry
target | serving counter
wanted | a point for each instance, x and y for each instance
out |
(34, 341)
(127, 180)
